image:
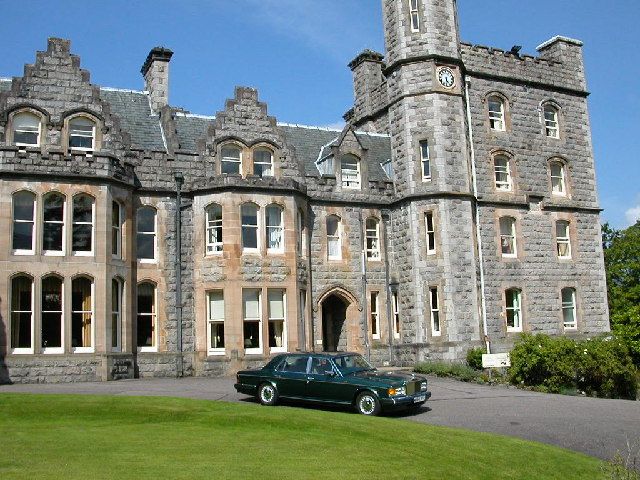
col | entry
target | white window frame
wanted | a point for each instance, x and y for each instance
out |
(256, 227)
(32, 222)
(395, 307)
(337, 238)
(62, 222)
(502, 185)
(252, 350)
(19, 350)
(425, 160)
(414, 15)
(301, 243)
(551, 121)
(434, 306)
(496, 116)
(213, 321)
(154, 233)
(372, 240)
(81, 133)
(117, 310)
(116, 231)
(227, 159)
(92, 223)
(274, 229)
(283, 319)
(25, 128)
(564, 239)
(211, 227)
(269, 163)
(509, 236)
(559, 179)
(60, 349)
(154, 319)
(350, 178)
(569, 306)
(430, 230)
(91, 348)
(374, 314)
(515, 308)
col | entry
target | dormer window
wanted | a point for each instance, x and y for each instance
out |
(231, 160)
(82, 133)
(350, 172)
(263, 162)
(26, 129)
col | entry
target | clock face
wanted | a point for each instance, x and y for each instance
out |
(446, 77)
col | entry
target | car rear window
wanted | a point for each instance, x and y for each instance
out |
(293, 364)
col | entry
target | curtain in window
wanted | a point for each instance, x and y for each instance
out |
(81, 318)
(274, 227)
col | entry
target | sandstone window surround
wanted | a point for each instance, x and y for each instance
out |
(117, 304)
(82, 132)
(334, 240)
(350, 172)
(215, 322)
(425, 160)
(213, 226)
(147, 318)
(22, 318)
(434, 303)
(569, 316)
(24, 226)
(231, 159)
(508, 245)
(372, 234)
(513, 309)
(395, 308)
(551, 121)
(563, 239)
(497, 113)
(263, 162)
(374, 315)
(146, 236)
(557, 171)
(274, 223)
(430, 229)
(82, 315)
(82, 228)
(26, 128)
(414, 15)
(249, 214)
(51, 314)
(252, 320)
(117, 222)
(276, 307)
(502, 173)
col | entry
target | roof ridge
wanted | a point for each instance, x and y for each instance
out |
(195, 115)
(327, 129)
(112, 89)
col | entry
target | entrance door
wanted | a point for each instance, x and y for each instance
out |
(334, 314)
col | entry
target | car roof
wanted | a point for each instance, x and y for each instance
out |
(321, 354)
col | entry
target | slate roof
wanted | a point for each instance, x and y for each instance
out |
(190, 129)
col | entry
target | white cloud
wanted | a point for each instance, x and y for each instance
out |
(633, 215)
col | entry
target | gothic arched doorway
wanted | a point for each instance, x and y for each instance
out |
(334, 328)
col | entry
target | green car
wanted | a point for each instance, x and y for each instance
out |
(342, 378)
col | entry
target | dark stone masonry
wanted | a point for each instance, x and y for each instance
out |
(457, 208)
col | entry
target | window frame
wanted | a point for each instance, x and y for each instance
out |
(117, 230)
(60, 349)
(374, 314)
(434, 312)
(92, 312)
(211, 351)
(337, 237)
(372, 237)
(270, 163)
(564, 240)
(301, 236)
(562, 178)
(356, 183)
(259, 349)
(548, 123)
(573, 306)
(274, 228)
(497, 117)
(516, 308)
(425, 160)
(117, 315)
(153, 315)
(256, 227)
(395, 309)
(83, 253)
(63, 222)
(21, 350)
(283, 319)
(94, 132)
(227, 159)
(502, 186)
(154, 233)
(34, 230)
(414, 15)
(512, 235)
(430, 232)
(211, 226)
(26, 112)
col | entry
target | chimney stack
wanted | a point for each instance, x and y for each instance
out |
(156, 76)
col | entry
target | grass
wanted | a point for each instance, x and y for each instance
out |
(95, 437)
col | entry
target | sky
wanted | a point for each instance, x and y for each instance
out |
(295, 52)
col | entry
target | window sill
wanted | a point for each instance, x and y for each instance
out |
(514, 330)
(147, 261)
(53, 253)
(147, 349)
(83, 350)
(22, 351)
(82, 254)
(52, 351)
(215, 353)
(253, 351)
(21, 253)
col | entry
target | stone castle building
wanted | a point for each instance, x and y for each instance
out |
(457, 208)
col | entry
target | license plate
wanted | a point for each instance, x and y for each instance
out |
(420, 398)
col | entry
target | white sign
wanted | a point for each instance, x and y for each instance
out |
(496, 360)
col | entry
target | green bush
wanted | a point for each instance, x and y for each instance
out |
(474, 358)
(599, 367)
(453, 370)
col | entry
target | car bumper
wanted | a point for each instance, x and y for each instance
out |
(405, 402)
(244, 388)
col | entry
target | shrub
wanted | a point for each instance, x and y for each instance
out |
(474, 358)
(443, 369)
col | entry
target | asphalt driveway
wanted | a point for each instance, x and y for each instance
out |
(593, 426)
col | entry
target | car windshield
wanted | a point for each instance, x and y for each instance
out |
(352, 363)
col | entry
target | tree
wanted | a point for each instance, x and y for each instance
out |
(622, 263)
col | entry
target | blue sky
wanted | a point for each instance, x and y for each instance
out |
(296, 53)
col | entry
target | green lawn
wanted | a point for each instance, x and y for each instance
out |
(95, 437)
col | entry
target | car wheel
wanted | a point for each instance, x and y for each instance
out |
(267, 394)
(367, 404)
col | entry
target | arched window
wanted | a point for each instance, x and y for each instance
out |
(117, 219)
(496, 114)
(263, 162)
(213, 215)
(82, 229)
(24, 206)
(508, 237)
(51, 318)
(146, 234)
(82, 314)
(275, 228)
(569, 317)
(558, 181)
(82, 133)
(53, 223)
(350, 171)
(26, 129)
(147, 317)
(22, 314)
(334, 243)
(117, 289)
(551, 123)
(502, 169)
(513, 299)
(563, 239)
(231, 159)
(249, 214)
(372, 226)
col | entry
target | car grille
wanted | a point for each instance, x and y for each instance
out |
(413, 387)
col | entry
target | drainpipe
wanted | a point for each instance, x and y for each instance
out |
(363, 256)
(309, 300)
(483, 300)
(386, 217)
(178, 265)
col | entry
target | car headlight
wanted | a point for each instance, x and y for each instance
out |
(423, 387)
(396, 391)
